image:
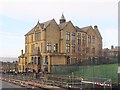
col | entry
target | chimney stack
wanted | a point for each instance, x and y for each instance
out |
(21, 52)
(112, 47)
(95, 27)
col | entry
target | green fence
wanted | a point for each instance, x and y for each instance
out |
(101, 72)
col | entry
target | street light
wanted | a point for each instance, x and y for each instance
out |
(81, 83)
(70, 84)
(92, 63)
(13, 72)
(29, 71)
(72, 79)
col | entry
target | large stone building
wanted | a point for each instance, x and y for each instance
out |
(49, 44)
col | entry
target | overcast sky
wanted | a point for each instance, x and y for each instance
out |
(17, 17)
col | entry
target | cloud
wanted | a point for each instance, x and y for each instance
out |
(10, 35)
(25, 12)
(48, 9)
(110, 37)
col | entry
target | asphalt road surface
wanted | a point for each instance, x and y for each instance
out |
(9, 85)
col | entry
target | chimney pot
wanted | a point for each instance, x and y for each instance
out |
(21, 52)
(95, 26)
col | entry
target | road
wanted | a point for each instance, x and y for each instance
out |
(9, 85)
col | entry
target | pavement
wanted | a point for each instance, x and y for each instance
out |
(9, 85)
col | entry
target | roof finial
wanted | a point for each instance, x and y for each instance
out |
(38, 21)
(62, 19)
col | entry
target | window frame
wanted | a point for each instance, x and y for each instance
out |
(79, 38)
(49, 47)
(55, 47)
(68, 47)
(73, 36)
(68, 36)
(37, 34)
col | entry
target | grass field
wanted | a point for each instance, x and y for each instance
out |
(98, 72)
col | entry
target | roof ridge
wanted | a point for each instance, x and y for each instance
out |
(47, 23)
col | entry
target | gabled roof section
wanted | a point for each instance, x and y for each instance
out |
(42, 25)
(62, 25)
(32, 30)
(45, 24)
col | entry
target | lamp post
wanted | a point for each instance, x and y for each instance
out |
(29, 73)
(81, 83)
(13, 73)
(92, 63)
(72, 79)
(70, 82)
(10, 73)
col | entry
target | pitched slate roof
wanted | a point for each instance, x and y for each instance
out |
(62, 25)
(85, 28)
(79, 29)
(43, 25)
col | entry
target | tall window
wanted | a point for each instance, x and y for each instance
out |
(73, 48)
(46, 60)
(31, 38)
(67, 47)
(89, 39)
(73, 36)
(56, 47)
(83, 39)
(37, 35)
(35, 60)
(32, 48)
(79, 38)
(68, 36)
(48, 47)
(38, 60)
(68, 60)
(93, 39)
